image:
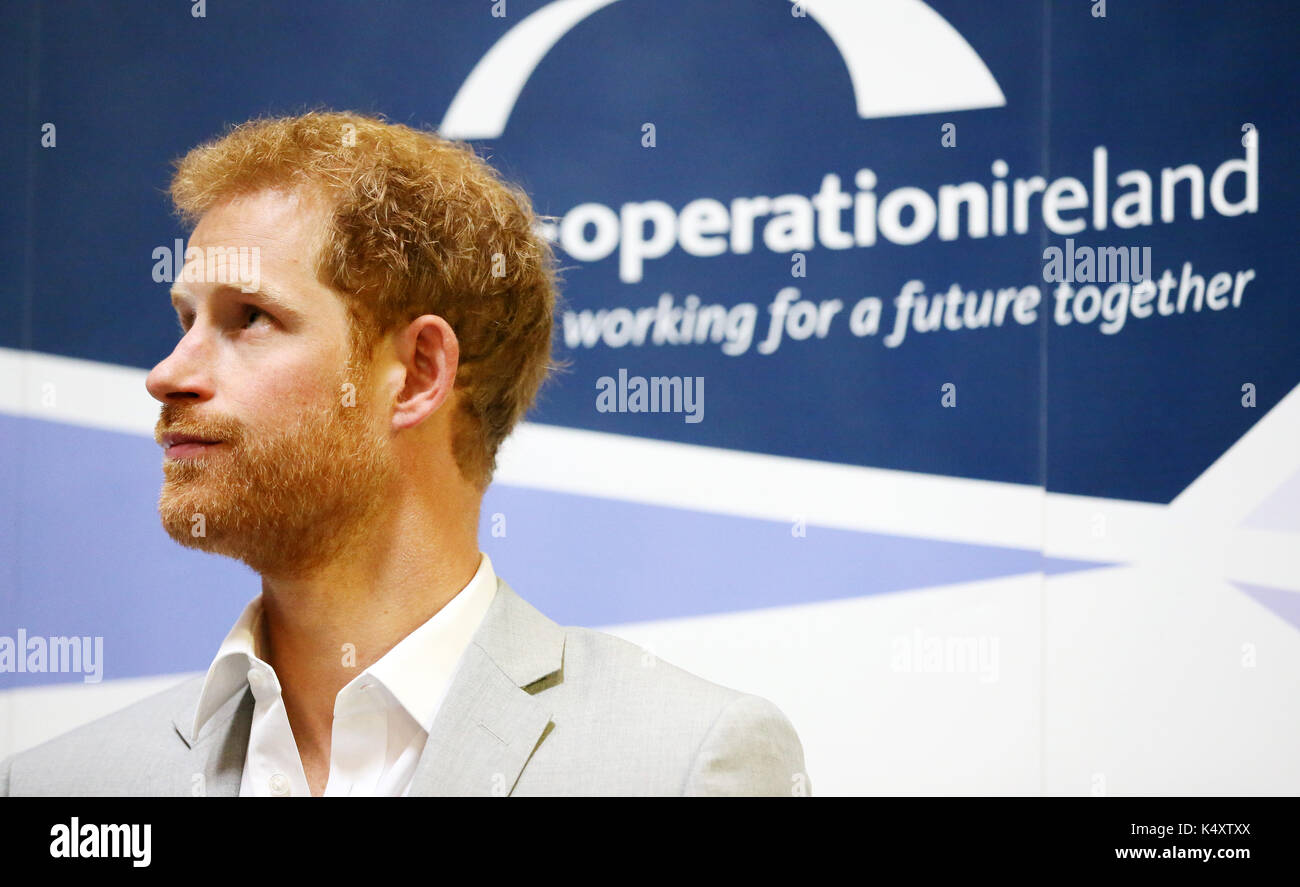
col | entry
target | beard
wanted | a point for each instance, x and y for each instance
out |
(285, 502)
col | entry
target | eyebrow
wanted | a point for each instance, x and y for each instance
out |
(265, 294)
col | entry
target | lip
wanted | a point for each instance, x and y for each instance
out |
(184, 446)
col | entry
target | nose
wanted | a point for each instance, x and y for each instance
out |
(183, 375)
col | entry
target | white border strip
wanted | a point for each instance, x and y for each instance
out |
(76, 392)
(1201, 530)
(775, 488)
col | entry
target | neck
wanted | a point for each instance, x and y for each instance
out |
(394, 575)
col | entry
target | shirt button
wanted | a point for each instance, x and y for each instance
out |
(279, 785)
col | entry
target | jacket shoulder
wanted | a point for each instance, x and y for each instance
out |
(117, 744)
(647, 726)
(609, 664)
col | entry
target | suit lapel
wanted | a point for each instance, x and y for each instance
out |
(484, 732)
(219, 750)
(489, 724)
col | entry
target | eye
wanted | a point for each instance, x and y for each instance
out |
(253, 312)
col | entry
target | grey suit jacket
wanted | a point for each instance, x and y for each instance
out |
(534, 709)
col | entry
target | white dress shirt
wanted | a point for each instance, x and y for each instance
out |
(382, 716)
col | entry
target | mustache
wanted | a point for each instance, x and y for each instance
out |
(174, 419)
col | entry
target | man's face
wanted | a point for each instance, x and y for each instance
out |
(302, 456)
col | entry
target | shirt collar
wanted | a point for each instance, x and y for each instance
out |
(417, 671)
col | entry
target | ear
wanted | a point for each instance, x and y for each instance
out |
(428, 350)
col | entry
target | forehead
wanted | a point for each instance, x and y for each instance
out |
(285, 221)
(277, 230)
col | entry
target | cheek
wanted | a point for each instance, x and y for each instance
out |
(271, 395)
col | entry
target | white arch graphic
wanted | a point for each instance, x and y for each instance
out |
(890, 48)
(904, 58)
